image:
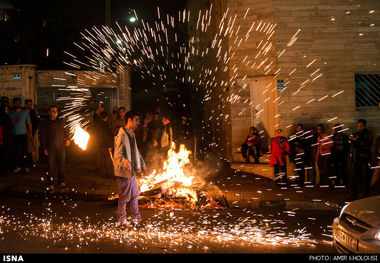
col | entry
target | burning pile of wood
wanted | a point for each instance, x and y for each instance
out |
(174, 188)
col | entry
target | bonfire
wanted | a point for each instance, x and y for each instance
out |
(177, 186)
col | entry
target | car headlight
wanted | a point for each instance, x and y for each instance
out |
(342, 211)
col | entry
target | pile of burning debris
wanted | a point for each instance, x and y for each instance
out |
(176, 186)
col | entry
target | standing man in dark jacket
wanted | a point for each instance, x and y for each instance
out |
(6, 146)
(297, 152)
(340, 153)
(361, 154)
(105, 141)
(54, 140)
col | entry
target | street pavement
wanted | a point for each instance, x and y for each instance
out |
(240, 190)
(262, 216)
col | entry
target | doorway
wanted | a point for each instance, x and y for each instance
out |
(264, 106)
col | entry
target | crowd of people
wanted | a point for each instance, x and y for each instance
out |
(320, 158)
(18, 137)
(18, 140)
(154, 135)
(18, 128)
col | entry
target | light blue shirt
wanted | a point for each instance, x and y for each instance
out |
(19, 120)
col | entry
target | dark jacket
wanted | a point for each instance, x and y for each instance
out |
(254, 139)
(362, 147)
(104, 135)
(6, 125)
(341, 143)
(169, 130)
(53, 133)
(297, 145)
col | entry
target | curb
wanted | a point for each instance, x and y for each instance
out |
(257, 204)
(282, 204)
(73, 195)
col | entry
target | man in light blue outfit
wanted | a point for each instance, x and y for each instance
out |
(127, 161)
(21, 122)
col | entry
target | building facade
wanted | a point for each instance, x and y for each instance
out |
(290, 62)
(47, 87)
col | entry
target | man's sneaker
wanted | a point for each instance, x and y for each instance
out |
(63, 185)
(17, 170)
(27, 170)
(50, 189)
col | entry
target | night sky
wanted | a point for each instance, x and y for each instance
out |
(39, 32)
(38, 25)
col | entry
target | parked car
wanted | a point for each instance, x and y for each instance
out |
(357, 229)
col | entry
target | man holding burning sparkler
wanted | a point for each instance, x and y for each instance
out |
(127, 161)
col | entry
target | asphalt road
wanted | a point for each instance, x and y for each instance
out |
(62, 224)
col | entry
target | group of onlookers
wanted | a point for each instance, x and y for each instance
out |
(18, 127)
(18, 137)
(320, 158)
(154, 135)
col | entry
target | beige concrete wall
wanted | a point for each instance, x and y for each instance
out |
(89, 79)
(30, 79)
(331, 35)
(335, 38)
(58, 78)
(24, 87)
(336, 35)
(251, 69)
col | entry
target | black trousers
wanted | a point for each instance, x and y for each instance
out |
(361, 178)
(253, 150)
(324, 169)
(340, 167)
(106, 167)
(300, 169)
(20, 150)
(280, 171)
(56, 165)
(4, 160)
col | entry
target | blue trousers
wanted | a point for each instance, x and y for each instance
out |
(128, 194)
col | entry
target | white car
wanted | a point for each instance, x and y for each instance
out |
(357, 229)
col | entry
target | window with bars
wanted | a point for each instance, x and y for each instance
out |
(367, 90)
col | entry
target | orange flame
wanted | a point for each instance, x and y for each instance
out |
(172, 180)
(81, 137)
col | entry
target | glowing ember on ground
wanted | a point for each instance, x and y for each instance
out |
(81, 137)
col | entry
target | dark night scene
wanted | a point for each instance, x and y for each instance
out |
(190, 127)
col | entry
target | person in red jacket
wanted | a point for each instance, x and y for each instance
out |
(279, 148)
